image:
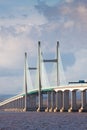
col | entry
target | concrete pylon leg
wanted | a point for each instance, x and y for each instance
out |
(23, 102)
(56, 108)
(34, 101)
(73, 102)
(28, 102)
(53, 101)
(65, 101)
(48, 101)
(83, 101)
(59, 101)
(40, 108)
(41, 100)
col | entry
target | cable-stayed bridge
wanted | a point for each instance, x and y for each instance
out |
(54, 95)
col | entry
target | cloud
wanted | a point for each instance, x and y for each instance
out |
(69, 24)
(69, 1)
(14, 42)
(82, 14)
(78, 70)
(76, 11)
(66, 23)
(31, 20)
(20, 31)
(16, 37)
(12, 48)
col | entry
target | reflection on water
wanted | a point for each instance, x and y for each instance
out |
(42, 121)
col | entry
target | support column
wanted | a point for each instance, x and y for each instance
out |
(16, 103)
(48, 101)
(28, 101)
(34, 101)
(20, 104)
(83, 101)
(31, 102)
(56, 108)
(40, 95)
(23, 102)
(65, 101)
(39, 77)
(58, 80)
(25, 109)
(53, 101)
(59, 101)
(73, 102)
(41, 104)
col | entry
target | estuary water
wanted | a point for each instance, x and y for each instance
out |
(43, 121)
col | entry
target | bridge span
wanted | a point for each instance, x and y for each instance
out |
(58, 98)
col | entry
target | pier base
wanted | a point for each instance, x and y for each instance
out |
(82, 110)
(56, 110)
(72, 110)
(63, 110)
(51, 109)
(40, 109)
(47, 109)
(25, 109)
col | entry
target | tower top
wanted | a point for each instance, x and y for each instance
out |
(25, 53)
(57, 43)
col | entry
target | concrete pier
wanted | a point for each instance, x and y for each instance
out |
(73, 102)
(65, 101)
(53, 101)
(59, 101)
(83, 102)
(48, 101)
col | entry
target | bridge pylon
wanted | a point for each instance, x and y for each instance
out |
(39, 79)
(25, 85)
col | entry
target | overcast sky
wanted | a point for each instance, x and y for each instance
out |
(24, 23)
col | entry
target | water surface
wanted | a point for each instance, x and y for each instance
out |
(42, 121)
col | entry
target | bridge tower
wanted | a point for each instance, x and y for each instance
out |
(25, 109)
(58, 77)
(39, 79)
(53, 98)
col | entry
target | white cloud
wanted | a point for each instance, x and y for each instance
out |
(82, 15)
(33, 20)
(69, 1)
(69, 24)
(12, 59)
(14, 42)
(78, 71)
(82, 9)
(13, 46)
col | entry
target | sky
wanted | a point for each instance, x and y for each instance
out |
(24, 23)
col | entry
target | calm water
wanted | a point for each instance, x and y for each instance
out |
(42, 121)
